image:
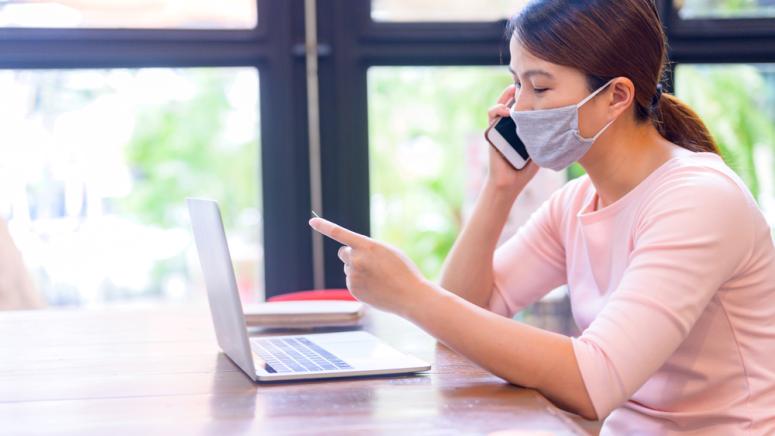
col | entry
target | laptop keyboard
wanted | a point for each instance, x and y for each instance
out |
(295, 354)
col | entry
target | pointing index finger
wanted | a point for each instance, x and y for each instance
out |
(338, 233)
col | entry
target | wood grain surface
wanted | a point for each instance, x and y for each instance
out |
(146, 372)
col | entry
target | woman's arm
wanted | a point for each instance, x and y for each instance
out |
(384, 277)
(468, 269)
(516, 274)
(519, 353)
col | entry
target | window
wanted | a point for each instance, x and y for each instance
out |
(428, 156)
(148, 14)
(737, 103)
(96, 166)
(693, 9)
(118, 115)
(90, 51)
(425, 132)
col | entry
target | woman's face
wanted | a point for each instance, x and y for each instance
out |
(543, 85)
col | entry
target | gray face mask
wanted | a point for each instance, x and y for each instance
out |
(552, 137)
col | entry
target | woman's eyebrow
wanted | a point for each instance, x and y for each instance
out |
(530, 73)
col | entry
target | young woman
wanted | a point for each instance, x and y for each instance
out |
(669, 263)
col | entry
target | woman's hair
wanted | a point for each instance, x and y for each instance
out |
(607, 39)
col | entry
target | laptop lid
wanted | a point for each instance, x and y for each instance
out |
(222, 292)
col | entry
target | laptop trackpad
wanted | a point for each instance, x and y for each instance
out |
(364, 351)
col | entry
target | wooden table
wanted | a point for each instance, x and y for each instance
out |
(143, 372)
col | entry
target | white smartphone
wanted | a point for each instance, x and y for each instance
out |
(502, 135)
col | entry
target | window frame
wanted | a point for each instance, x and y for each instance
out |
(736, 27)
(718, 40)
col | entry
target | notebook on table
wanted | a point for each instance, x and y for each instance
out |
(304, 314)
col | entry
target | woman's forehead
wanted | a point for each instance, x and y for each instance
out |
(525, 64)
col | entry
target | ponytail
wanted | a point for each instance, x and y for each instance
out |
(679, 124)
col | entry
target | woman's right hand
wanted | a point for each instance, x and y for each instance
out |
(501, 174)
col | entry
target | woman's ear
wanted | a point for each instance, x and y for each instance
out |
(622, 96)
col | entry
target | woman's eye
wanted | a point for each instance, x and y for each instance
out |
(540, 90)
(517, 85)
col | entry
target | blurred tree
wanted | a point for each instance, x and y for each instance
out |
(178, 150)
(733, 101)
(421, 120)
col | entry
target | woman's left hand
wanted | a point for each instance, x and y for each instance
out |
(377, 273)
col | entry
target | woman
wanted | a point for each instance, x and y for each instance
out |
(669, 263)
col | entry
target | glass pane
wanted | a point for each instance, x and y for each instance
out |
(96, 166)
(450, 10)
(428, 156)
(737, 103)
(689, 9)
(149, 14)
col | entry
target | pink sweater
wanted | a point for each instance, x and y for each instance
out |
(673, 287)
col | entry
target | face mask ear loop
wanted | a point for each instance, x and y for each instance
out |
(591, 96)
(597, 135)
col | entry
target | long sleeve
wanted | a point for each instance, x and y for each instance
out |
(692, 237)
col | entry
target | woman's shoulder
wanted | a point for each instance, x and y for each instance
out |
(699, 200)
(702, 180)
(702, 189)
(700, 176)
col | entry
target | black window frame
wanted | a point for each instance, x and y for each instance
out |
(733, 27)
(718, 40)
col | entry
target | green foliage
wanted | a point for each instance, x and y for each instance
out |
(725, 8)
(178, 151)
(733, 101)
(421, 121)
(575, 170)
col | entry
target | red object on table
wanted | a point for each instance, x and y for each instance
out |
(316, 294)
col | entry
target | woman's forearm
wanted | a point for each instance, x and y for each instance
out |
(468, 270)
(521, 354)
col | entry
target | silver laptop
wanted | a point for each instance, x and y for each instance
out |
(271, 358)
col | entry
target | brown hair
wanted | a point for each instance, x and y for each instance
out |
(607, 39)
